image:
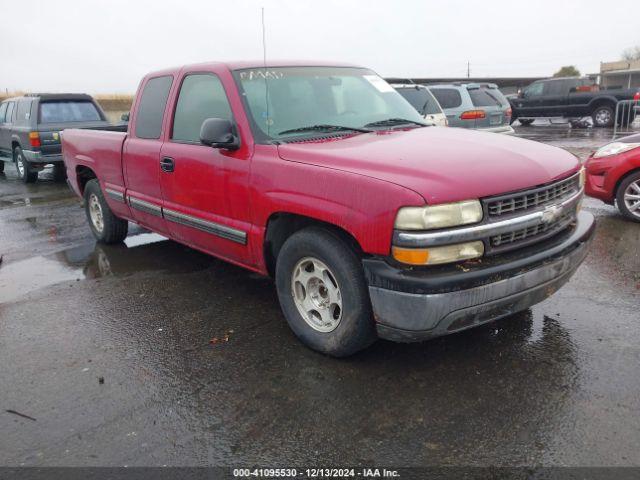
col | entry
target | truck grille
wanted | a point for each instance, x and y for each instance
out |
(533, 198)
(532, 234)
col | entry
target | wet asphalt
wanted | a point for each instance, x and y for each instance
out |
(151, 353)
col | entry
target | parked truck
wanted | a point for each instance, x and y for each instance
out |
(571, 97)
(322, 176)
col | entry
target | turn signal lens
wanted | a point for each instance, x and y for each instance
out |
(34, 139)
(473, 115)
(438, 255)
(439, 216)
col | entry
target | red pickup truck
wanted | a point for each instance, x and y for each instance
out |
(321, 175)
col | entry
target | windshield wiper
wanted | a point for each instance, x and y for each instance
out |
(324, 128)
(394, 121)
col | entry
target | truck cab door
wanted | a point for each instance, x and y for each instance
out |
(529, 104)
(205, 189)
(5, 132)
(141, 155)
(555, 95)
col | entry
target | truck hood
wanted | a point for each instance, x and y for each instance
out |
(441, 164)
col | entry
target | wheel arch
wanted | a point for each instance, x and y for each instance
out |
(281, 225)
(83, 175)
(600, 101)
(622, 179)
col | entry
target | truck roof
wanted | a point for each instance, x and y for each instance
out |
(242, 64)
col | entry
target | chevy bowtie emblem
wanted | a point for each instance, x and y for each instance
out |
(551, 214)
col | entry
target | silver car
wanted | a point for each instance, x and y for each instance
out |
(480, 106)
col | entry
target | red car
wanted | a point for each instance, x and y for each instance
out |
(321, 175)
(613, 175)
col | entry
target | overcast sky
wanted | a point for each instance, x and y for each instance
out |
(106, 46)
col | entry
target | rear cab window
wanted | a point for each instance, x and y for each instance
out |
(447, 97)
(201, 96)
(68, 111)
(23, 112)
(151, 108)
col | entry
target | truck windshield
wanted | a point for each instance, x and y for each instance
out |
(67, 111)
(283, 102)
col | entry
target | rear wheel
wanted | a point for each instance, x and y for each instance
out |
(25, 172)
(603, 116)
(323, 293)
(525, 122)
(628, 197)
(105, 226)
(1, 166)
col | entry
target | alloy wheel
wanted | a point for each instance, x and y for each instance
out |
(316, 294)
(632, 198)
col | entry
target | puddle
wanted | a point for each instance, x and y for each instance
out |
(139, 253)
(36, 200)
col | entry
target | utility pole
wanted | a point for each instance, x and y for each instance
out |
(468, 69)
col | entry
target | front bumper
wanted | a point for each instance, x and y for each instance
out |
(37, 157)
(413, 306)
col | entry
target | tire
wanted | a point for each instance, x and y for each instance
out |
(105, 226)
(627, 190)
(1, 166)
(59, 172)
(525, 122)
(25, 172)
(336, 332)
(603, 116)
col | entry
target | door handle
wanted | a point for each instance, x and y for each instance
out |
(167, 164)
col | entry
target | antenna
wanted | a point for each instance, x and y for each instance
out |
(264, 64)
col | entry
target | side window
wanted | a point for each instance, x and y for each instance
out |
(23, 112)
(3, 110)
(151, 107)
(201, 96)
(556, 87)
(447, 97)
(9, 115)
(534, 90)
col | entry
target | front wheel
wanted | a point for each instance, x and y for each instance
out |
(23, 168)
(323, 293)
(603, 116)
(628, 197)
(105, 226)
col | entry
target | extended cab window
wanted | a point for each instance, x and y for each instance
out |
(557, 87)
(151, 107)
(201, 96)
(447, 97)
(68, 111)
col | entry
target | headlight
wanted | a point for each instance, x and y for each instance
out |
(439, 216)
(614, 149)
(438, 255)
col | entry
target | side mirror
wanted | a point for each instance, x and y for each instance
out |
(124, 117)
(219, 133)
(520, 93)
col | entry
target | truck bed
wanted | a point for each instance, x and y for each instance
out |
(100, 150)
